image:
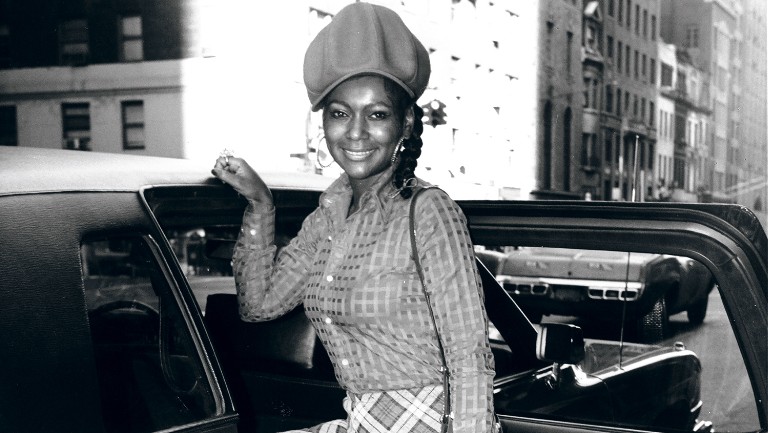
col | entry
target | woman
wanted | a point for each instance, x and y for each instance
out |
(351, 263)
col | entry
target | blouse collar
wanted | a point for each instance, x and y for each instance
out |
(378, 198)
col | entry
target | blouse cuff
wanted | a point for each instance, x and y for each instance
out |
(258, 228)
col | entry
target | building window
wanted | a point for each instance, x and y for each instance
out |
(587, 91)
(682, 79)
(651, 152)
(629, 15)
(133, 125)
(8, 129)
(635, 107)
(618, 102)
(666, 75)
(548, 42)
(651, 113)
(637, 20)
(619, 50)
(627, 52)
(568, 119)
(626, 102)
(653, 72)
(608, 99)
(620, 17)
(568, 56)
(692, 37)
(610, 8)
(546, 159)
(591, 93)
(644, 69)
(73, 42)
(76, 122)
(5, 46)
(653, 27)
(131, 43)
(637, 65)
(609, 47)
(645, 23)
(590, 38)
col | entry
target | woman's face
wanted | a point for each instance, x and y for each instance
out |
(363, 126)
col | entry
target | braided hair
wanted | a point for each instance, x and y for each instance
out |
(406, 163)
(411, 150)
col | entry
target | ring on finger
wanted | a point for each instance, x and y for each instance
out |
(226, 153)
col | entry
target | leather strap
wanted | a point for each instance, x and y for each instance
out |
(447, 415)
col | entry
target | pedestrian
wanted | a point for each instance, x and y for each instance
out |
(387, 332)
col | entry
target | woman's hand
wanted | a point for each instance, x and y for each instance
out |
(243, 178)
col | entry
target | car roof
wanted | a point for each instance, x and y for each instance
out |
(28, 170)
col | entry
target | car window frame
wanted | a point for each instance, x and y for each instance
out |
(704, 235)
(159, 255)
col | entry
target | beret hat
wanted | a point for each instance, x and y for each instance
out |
(365, 39)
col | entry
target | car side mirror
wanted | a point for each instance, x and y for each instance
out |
(559, 343)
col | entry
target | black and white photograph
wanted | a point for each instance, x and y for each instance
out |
(384, 216)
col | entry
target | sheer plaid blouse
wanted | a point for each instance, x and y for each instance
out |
(359, 285)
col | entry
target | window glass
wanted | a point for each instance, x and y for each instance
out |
(73, 40)
(672, 303)
(8, 129)
(5, 46)
(76, 126)
(133, 124)
(150, 374)
(131, 34)
(205, 255)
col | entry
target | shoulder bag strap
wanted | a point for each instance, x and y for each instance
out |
(447, 415)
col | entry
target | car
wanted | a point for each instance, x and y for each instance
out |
(595, 284)
(120, 311)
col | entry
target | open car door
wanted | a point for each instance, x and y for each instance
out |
(720, 383)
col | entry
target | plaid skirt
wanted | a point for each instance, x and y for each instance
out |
(403, 411)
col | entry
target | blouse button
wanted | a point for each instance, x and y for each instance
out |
(253, 232)
(329, 278)
(328, 320)
(344, 362)
(330, 238)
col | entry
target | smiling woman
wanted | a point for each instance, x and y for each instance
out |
(365, 127)
(390, 335)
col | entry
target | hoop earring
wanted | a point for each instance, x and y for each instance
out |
(317, 155)
(396, 153)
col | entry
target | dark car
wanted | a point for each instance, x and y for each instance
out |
(642, 288)
(120, 313)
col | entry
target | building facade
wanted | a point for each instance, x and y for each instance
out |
(678, 85)
(664, 173)
(559, 99)
(725, 41)
(185, 78)
(707, 31)
(629, 124)
(749, 100)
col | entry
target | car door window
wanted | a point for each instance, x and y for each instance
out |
(658, 339)
(205, 256)
(150, 374)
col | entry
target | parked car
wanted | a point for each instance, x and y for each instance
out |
(120, 313)
(642, 288)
